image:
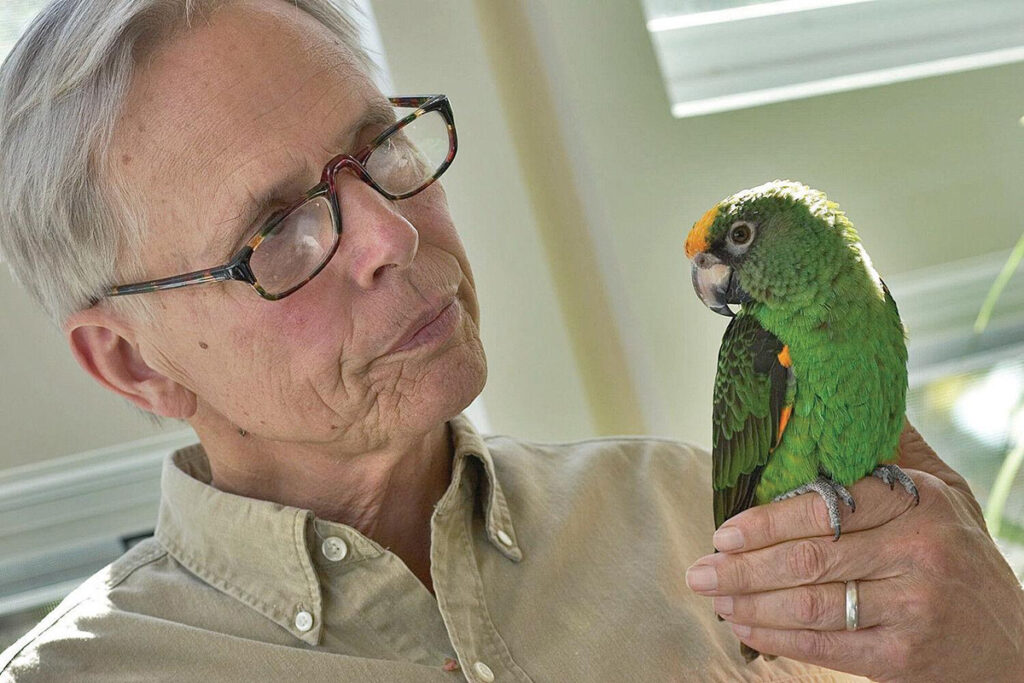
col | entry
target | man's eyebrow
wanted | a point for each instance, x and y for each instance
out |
(233, 232)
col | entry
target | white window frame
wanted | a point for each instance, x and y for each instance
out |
(768, 52)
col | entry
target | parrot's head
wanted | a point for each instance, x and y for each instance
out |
(776, 244)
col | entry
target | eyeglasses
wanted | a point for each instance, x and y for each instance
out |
(298, 241)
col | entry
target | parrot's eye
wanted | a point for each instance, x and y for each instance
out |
(740, 233)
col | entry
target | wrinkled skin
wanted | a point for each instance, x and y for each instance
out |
(937, 600)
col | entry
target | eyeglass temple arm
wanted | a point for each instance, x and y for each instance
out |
(231, 271)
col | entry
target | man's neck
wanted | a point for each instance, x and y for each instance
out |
(388, 495)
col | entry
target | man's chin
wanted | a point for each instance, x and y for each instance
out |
(455, 379)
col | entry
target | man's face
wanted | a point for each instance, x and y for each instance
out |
(219, 115)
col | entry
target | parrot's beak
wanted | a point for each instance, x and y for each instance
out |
(716, 285)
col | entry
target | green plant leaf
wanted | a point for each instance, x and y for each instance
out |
(1001, 488)
(998, 286)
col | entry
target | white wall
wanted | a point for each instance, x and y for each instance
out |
(48, 406)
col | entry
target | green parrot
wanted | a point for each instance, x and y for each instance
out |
(811, 386)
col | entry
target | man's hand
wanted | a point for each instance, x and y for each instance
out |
(937, 600)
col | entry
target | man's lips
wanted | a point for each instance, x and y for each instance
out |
(427, 319)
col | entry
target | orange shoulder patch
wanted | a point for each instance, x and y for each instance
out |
(786, 362)
(783, 421)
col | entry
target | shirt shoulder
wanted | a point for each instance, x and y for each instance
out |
(636, 451)
(53, 648)
(630, 465)
(634, 484)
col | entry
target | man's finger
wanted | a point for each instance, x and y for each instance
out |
(869, 554)
(821, 607)
(805, 516)
(863, 652)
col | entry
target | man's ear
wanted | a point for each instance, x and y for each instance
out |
(106, 348)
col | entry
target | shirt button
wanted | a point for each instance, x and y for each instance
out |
(334, 548)
(303, 621)
(505, 539)
(483, 672)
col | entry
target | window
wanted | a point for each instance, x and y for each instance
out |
(967, 390)
(731, 54)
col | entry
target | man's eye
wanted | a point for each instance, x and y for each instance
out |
(258, 226)
(369, 134)
(273, 217)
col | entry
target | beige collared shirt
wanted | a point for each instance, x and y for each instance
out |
(550, 562)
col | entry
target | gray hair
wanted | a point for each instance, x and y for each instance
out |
(63, 223)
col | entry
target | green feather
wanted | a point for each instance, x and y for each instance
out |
(748, 402)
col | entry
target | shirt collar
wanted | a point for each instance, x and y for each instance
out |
(468, 444)
(259, 551)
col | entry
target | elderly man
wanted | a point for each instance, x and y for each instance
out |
(340, 520)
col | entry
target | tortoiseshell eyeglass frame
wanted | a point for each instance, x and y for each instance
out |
(238, 267)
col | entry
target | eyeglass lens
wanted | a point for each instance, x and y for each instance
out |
(296, 247)
(411, 156)
(304, 239)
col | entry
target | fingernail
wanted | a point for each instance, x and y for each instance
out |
(742, 630)
(702, 578)
(723, 605)
(728, 538)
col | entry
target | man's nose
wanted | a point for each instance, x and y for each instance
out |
(374, 235)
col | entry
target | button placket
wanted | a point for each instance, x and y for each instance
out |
(459, 592)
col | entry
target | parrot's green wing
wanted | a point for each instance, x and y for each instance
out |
(749, 412)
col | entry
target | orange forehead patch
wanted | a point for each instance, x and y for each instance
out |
(697, 240)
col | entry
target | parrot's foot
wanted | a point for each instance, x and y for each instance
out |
(831, 492)
(891, 474)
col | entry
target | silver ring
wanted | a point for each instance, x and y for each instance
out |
(852, 606)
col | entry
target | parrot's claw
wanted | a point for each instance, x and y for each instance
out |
(831, 492)
(891, 474)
